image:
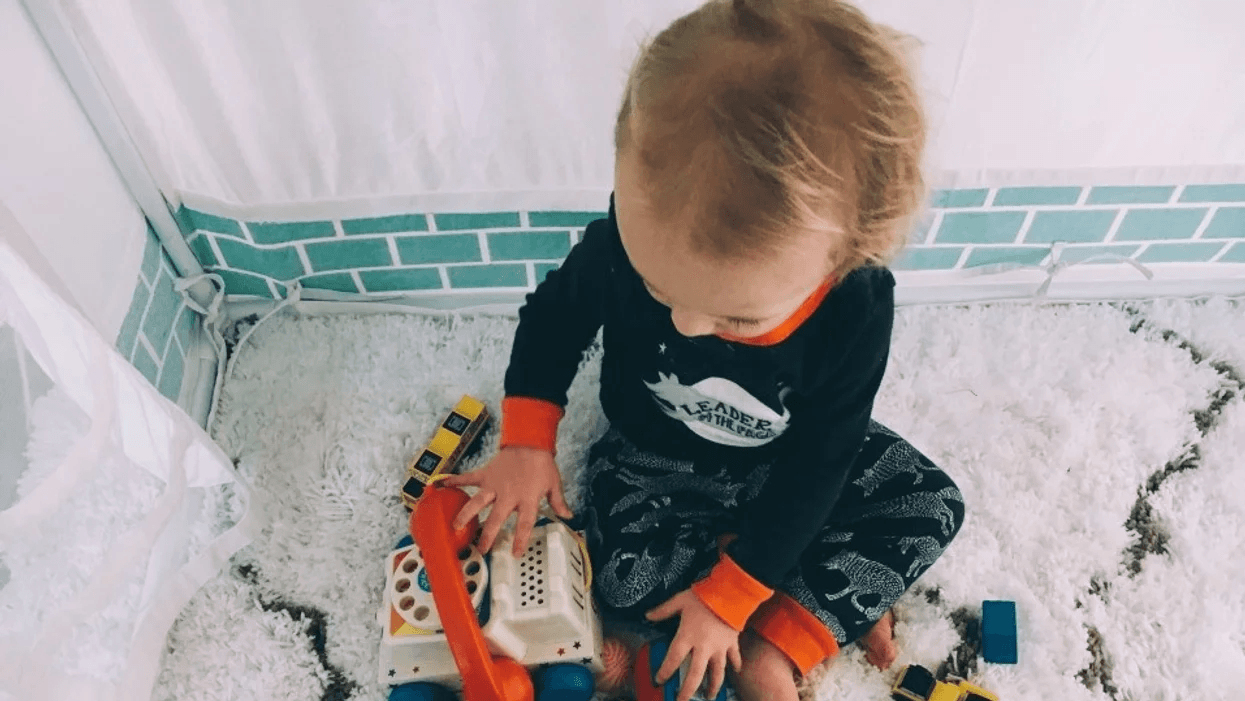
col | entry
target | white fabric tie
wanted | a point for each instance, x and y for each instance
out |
(1056, 266)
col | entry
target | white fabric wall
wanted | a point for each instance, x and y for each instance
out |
(102, 480)
(13, 418)
(108, 538)
(59, 182)
(478, 103)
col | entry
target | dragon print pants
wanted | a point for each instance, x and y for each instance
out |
(652, 525)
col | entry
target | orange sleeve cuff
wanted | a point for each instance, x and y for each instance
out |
(731, 593)
(795, 631)
(529, 423)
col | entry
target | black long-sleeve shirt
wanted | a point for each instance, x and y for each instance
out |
(802, 404)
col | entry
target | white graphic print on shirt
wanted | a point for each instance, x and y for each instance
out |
(719, 410)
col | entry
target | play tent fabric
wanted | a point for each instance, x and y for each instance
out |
(452, 147)
(120, 585)
(447, 149)
(59, 182)
(102, 479)
(287, 103)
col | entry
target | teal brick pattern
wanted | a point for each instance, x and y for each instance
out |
(1158, 224)
(159, 328)
(529, 245)
(568, 219)
(401, 279)
(451, 252)
(1130, 195)
(955, 199)
(469, 276)
(440, 248)
(1019, 226)
(1228, 223)
(337, 282)
(284, 232)
(1018, 255)
(1214, 193)
(1192, 252)
(980, 227)
(541, 270)
(1236, 254)
(928, 258)
(416, 252)
(385, 225)
(488, 220)
(201, 244)
(1070, 225)
(279, 263)
(347, 254)
(1011, 196)
(192, 220)
(1102, 254)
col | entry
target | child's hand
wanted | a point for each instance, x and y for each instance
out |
(516, 479)
(709, 640)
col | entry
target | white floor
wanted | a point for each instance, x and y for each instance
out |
(1051, 419)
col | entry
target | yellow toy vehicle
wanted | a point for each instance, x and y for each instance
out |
(915, 683)
(453, 438)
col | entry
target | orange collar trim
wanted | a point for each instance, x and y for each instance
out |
(780, 333)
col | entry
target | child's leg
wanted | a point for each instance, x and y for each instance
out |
(652, 525)
(767, 674)
(898, 513)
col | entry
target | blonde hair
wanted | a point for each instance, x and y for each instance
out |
(755, 120)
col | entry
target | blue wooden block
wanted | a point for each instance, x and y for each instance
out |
(998, 631)
(669, 691)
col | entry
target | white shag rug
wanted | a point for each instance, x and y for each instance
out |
(53, 562)
(1099, 449)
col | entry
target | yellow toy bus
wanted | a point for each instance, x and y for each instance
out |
(915, 683)
(451, 441)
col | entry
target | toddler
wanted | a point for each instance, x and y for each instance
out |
(767, 166)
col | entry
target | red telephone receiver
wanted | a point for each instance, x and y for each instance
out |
(486, 677)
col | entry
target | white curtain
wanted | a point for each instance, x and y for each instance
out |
(477, 103)
(110, 535)
(60, 183)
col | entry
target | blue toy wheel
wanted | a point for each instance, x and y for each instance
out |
(565, 682)
(406, 540)
(421, 691)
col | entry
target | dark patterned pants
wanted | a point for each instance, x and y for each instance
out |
(652, 526)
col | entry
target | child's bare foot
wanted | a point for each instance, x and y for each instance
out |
(879, 642)
(767, 674)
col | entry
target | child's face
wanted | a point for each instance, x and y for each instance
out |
(734, 299)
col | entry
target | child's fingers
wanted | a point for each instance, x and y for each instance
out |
(473, 507)
(663, 611)
(736, 659)
(501, 511)
(674, 657)
(717, 674)
(523, 528)
(695, 674)
(470, 479)
(558, 501)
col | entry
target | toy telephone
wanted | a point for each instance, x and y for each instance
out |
(465, 621)
(486, 677)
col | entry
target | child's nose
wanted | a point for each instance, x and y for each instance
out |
(690, 323)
